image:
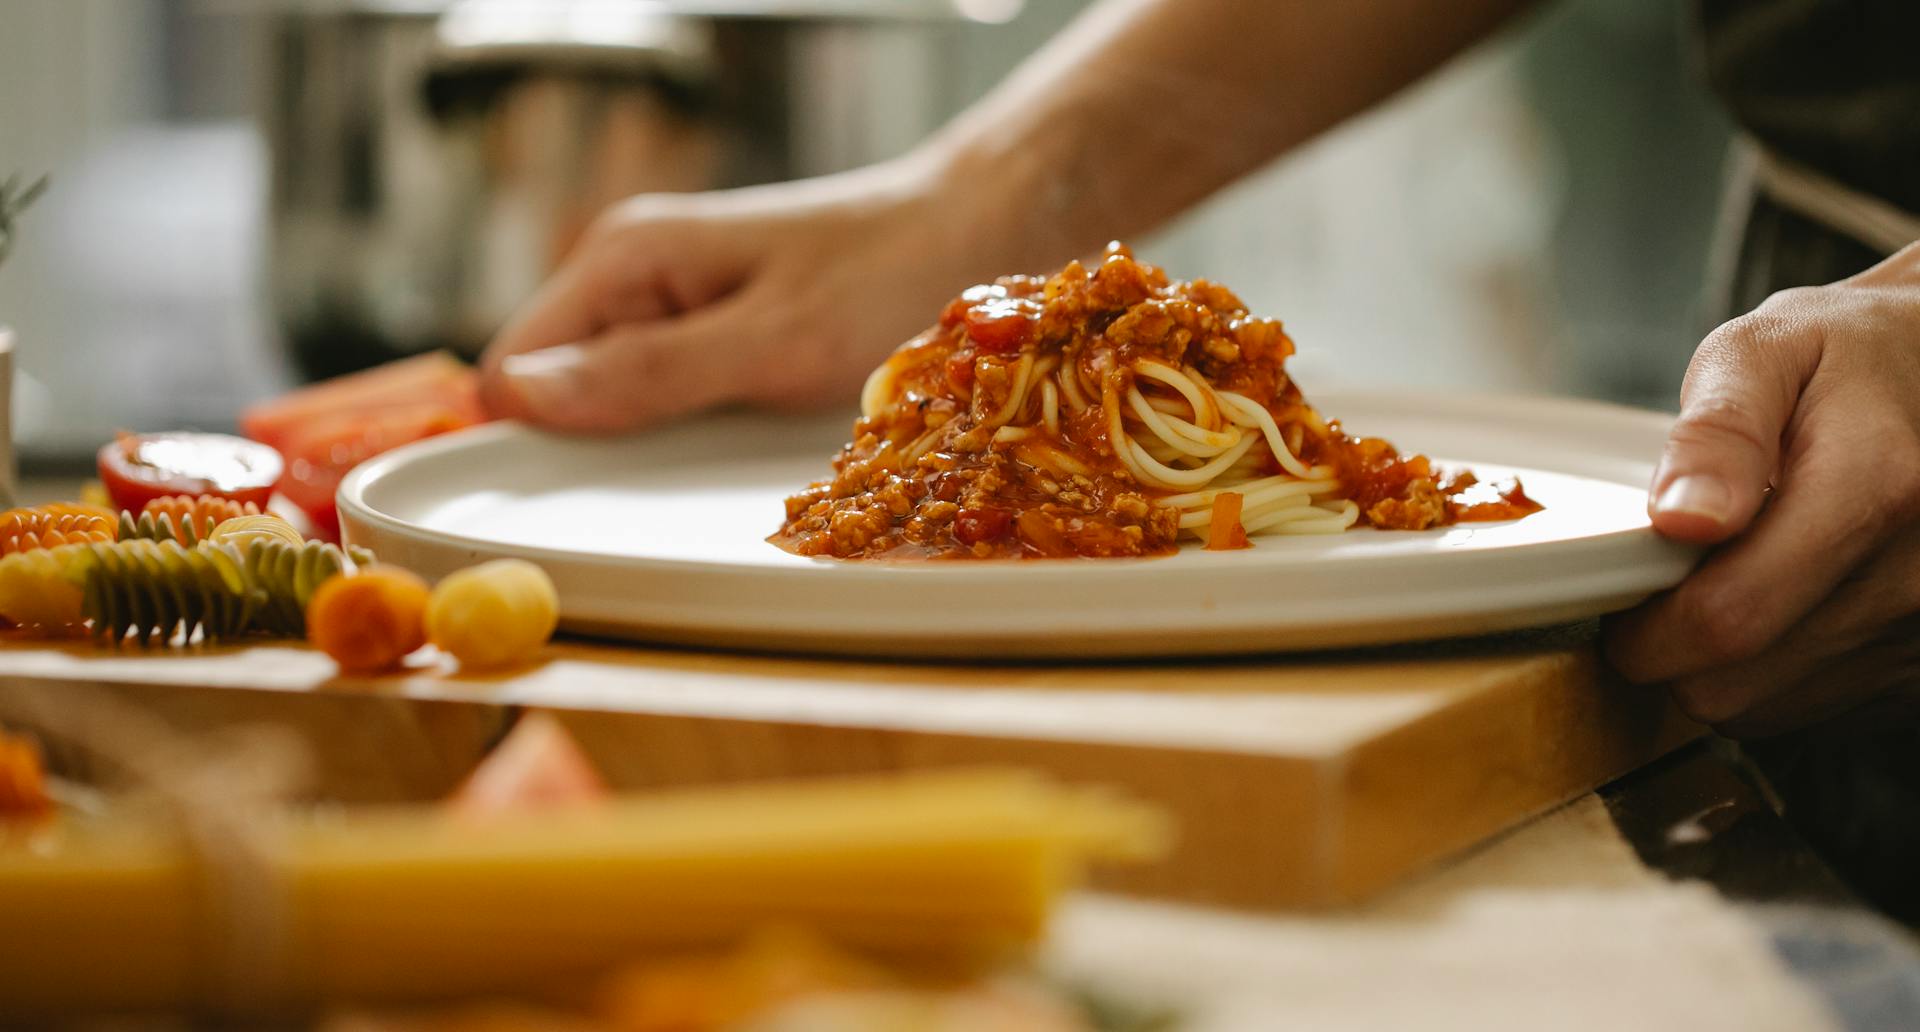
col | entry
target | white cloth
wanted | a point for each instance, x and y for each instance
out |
(1557, 925)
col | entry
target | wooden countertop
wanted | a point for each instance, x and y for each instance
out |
(1558, 908)
(667, 716)
(1296, 781)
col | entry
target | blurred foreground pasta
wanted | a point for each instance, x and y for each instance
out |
(943, 870)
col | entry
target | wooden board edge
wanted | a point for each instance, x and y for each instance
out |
(1553, 736)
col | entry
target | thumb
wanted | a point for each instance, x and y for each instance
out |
(1740, 395)
(629, 376)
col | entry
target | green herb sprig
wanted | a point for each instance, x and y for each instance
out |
(14, 199)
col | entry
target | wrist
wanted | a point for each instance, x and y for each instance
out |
(1006, 203)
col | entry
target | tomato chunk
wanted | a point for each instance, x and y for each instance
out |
(972, 526)
(1224, 529)
(1002, 325)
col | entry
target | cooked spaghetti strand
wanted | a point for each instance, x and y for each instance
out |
(1104, 411)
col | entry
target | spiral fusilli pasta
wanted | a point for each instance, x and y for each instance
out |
(242, 531)
(155, 589)
(158, 527)
(289, 575)
(39, 588)
(188, 519)
(50, 526)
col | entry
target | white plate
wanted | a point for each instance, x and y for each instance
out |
(661, 537)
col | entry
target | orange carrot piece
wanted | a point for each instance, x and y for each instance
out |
(200, 512)
(1224, 531)
(370, 620)
(23, 778)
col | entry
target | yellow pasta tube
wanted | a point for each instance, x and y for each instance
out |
(408, 903)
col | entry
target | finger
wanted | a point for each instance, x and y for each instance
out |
(632, 375)
(1739, 395)
(1772, 689)
(633, 273)
(563, 310)
(1832, 508)
(582, 301)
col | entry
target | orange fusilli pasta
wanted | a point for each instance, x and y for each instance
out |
(49, 526)
(195, 516)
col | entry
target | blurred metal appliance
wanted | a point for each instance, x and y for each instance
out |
(432, 161)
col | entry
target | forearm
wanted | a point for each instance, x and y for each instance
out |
(1143, 107)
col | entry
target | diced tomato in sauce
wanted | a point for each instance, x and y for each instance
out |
(974, 526)
(1002, 325)
(1509, 502)
(960, 372)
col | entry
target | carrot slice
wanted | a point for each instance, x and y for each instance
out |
(369, 621)
(23, 778)
(1224, 531)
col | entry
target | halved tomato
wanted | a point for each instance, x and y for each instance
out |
(137, 468)
(328, 428)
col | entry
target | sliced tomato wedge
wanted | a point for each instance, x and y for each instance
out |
(326, 429)
(437, 378)
(321, 455)
(538, 765)
(137, 468)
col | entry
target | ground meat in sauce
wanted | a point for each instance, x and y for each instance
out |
(929, 474)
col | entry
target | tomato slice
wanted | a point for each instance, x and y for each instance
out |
(137, 468)
(328, 428)
(320, 454)
(537, 766)
(436, 378)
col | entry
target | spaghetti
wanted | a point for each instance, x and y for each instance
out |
(1106, 413)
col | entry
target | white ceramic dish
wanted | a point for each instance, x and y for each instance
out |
(661, 537)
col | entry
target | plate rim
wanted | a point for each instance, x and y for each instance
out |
(351, 496)
(702, 608)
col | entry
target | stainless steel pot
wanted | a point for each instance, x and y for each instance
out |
(433, 161)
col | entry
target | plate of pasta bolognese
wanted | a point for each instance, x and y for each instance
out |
(1102, 462)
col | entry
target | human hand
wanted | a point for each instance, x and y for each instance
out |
(781, 295)
(1797, 451)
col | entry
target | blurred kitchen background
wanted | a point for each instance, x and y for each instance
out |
(250, 192)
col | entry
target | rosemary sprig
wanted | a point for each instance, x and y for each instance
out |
(13, 201)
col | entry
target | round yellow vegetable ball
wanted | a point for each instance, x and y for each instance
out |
(495, 614)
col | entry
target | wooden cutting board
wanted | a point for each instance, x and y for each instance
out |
(1296, 781)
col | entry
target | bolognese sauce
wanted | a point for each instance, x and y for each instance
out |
(1101, 413)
